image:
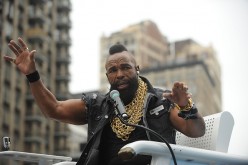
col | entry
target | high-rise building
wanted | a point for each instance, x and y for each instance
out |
(45, 26)
(195, 65)
(163, 63)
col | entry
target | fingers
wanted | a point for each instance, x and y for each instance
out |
(189, 95)
(169, 97)
(21, 51)
(179, 94)
(13, 49)
(180, 86)
(167, 94)
(181, 89)
(22, 43)
(10, 59)
(18, 49)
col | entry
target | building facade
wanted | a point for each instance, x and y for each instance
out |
(45, 26)
(164, 62)
(198, 67)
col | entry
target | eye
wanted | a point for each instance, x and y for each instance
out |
(111, 70)
(126, 67)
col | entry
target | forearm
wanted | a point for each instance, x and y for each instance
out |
(190, 127)
(70, 111)
(46, 101)
(195, 127)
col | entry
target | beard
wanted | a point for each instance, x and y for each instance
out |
(127, 94)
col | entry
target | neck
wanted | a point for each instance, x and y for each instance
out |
(128, 95)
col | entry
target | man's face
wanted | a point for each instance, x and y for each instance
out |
(122, 72)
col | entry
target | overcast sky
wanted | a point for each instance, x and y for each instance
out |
(221, 23)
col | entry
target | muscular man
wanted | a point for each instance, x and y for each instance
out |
(163, 112)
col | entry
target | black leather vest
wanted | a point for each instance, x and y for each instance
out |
(156, 117)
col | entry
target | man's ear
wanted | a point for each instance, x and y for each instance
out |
(107, 78)
(137, 69)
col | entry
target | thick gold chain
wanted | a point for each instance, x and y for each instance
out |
(134, 111)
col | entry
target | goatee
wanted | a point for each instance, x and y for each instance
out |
(128, 94)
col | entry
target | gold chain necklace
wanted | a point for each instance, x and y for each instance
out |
(134, 111)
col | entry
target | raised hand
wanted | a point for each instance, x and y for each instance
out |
(24, 60)
(179, 94)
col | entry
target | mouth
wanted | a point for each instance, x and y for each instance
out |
(122, 86)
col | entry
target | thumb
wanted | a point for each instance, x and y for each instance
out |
(167, 95)
(32, 53)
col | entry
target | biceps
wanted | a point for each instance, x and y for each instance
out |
(72, 111)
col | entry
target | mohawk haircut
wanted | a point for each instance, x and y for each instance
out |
(117, 48)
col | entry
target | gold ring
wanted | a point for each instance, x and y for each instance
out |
(26, 49)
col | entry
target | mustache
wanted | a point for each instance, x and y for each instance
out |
(117, 83)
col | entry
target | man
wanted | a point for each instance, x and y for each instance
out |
(161, 111)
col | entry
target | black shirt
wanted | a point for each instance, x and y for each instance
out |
(111, 144)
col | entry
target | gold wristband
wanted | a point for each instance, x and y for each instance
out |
(187, 107)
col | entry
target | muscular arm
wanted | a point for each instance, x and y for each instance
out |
(191, 127)
(180, 96)
(71, 111)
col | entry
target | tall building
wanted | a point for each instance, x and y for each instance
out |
(45, 26)
(195, 65)
(163, 63)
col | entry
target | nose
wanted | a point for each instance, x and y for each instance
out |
(119, 74)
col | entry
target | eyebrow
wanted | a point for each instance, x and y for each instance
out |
(122, 65)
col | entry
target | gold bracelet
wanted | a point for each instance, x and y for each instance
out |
(187, 107)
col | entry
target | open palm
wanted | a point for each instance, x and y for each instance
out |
(24, 58)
